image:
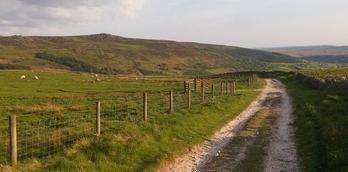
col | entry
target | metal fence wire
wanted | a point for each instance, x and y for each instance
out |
(125, 107)
(42, 135)
(45, 133)
(4, 146)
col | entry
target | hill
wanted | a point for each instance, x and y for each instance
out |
(336, 59)
(311, 50)
(105, 53)
(322, 54)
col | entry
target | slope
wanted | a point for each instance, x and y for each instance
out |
(322, 54)
(105, 53)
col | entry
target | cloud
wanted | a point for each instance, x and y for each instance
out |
(29, 16)
(131, 8)
(236, 22)
(78, 14)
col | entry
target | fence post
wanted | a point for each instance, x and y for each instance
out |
(189, 97)
(230, 87)
(222, 88)
(171, 101)
(98, 118)
(13, 139)
(145, 106)
(202, 90)
(227, 88)
(232, 84)
(213, 90)
(249, 81)
(236, 85)
(195, 84)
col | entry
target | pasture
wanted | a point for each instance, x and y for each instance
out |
(56, 118)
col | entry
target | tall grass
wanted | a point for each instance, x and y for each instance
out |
(322, 127)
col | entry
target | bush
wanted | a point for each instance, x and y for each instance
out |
(13, 66)
(74, 64)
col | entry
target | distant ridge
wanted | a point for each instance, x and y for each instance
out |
(303, 51)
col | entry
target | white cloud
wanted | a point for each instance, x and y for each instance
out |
(239, 22)
(131, 8)
(79, 14)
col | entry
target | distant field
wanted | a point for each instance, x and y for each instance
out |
(70, 84)
(62, 89)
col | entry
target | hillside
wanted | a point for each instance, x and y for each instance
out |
(337, 59)
(311, 50)
(322, 54)
(104, 53)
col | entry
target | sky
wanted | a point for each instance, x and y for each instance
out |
(246, 23)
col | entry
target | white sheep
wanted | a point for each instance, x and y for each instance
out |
(36, 77)
(23, 77)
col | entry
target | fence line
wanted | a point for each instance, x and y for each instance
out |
(36, 136)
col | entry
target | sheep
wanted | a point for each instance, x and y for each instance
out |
(23, 77)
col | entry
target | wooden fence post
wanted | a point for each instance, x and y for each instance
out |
(186, 84)
(97, 118)
(230, 87)
(202, 90)
(222, 88)
(195, 84)
(13, 139)
(171, 101)
(213, 90)
(228, 91)
(145, 106)
(235, 85)
(202, 86)
(189, 97)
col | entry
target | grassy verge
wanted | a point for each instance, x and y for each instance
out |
(143, 146)
(322, 120)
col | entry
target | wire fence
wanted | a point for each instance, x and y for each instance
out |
(43, 134)
(39, 136)
(4, 140)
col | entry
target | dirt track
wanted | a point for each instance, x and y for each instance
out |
(281, 154)
(280, 151)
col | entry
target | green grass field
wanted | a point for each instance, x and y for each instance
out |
(322, 120)
(56, 117)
